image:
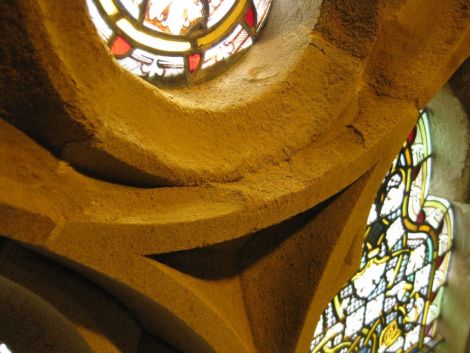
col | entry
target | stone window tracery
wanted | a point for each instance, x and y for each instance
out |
(392, 303)
(177, 42)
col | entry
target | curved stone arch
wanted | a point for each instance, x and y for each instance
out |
(30, 323)
(143, 136)
(319, 155)
(99, 319)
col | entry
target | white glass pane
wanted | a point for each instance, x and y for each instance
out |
(133, 6)
(354, 322)
(370, 278)
(400, 290)
(217, 10)
(102, 27)
(394, 233)
(372, 214)
(394, 197)
(412, 338)
(143, 63)
(175, 17)
(417, 259)
(445, 238)
(319, 327)
(262, 7)
(396, 346)
(419, 153)
(422, 277)
(439, 278)
(374, 309)
(236, 41)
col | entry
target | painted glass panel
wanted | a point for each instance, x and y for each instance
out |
(173, 16)
(177, 42)
(217, 10)
(133, 7)
(393, 302)
(262, 8)
(238, 40)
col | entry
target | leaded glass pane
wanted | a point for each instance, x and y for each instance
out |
(392, 303)
(177, 42)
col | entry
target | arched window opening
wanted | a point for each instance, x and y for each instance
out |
(177, 42)
(392, 303)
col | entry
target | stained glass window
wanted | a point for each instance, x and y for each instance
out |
(178, 41)
(393, 301)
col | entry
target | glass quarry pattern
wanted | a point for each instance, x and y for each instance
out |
(177, 42)
(392, 303)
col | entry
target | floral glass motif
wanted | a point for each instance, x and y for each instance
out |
(177, 42)
(392, 303)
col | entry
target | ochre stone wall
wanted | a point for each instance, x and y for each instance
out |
(216, 218)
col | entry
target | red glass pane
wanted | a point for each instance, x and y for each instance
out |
(439, 260)
(415, 172)
(411, 136)
(120, 47)
(421, 217)
(428, 329)
(250, 17)
(194, 61)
